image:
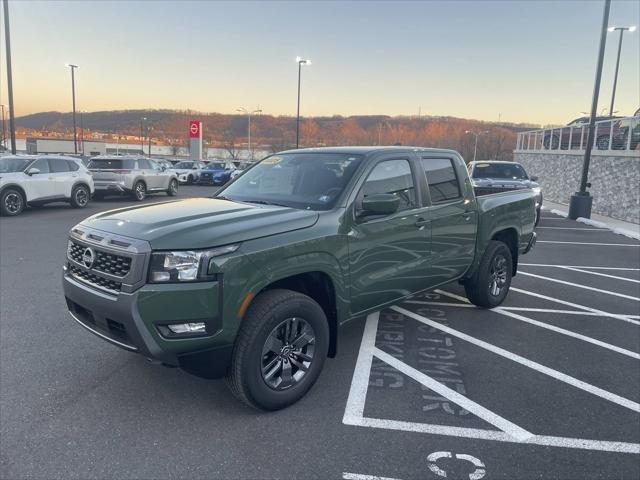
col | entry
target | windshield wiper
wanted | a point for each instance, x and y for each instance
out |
(264, 202)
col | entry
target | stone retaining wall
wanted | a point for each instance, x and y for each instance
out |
(615, 180)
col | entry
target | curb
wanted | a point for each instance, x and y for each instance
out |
(594, 223)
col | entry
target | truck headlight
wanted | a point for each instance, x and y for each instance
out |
(536, 190)
(185, 265)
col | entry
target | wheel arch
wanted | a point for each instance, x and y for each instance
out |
(18, 187)
(509, 236)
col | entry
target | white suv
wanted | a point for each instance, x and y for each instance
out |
(36, 180)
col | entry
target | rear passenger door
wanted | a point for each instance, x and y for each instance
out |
(63, 176)
(388, 254)
(453, 217)
(148, 174)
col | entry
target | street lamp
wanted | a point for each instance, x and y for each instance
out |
(4, 129)
(248, 113)
(475, 146)
(615, 77)
(82, 131)
(149, 128)
(142, 120)
(301, 61)
(7, 44)
(73, 96)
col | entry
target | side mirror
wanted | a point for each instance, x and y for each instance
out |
(533, 178)
(163, 168)
(33, 171)
(380, 204)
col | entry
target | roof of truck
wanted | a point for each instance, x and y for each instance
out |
(365, 150)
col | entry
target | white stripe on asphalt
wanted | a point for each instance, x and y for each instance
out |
(360, 381)
(591, 243)
(563, 312)
(563, 377)
(452, 295)
(442, 304)
(618, 316)
(578, 266)
(577, 285)
(568, 333)
(361, 476)
(503, 424)
(575, 228)
(573, 269)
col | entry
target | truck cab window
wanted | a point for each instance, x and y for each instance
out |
(441, 178)
(392, 176)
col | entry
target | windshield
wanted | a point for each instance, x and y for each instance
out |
(311, 181)
(10, 165)
(505, 171)
(183, 165)
(215, 166)
(111, 164)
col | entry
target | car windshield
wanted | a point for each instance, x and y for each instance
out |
(505, 171)
(111, 164)
(311, 181)
(215, 166)
(183, 165)
(12, 164)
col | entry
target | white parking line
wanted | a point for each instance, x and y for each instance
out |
(568, 333)
(627, 269)
(574, 228)
(361, 476)
(357, 397)
(550, 310)
(592, 243)
(573, 269)
(618, 316)
(562, 377)
(478, 410)
(577, 285)
(442, 304)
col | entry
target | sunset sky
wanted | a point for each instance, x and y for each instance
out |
(526, 61)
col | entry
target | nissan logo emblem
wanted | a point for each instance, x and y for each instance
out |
(88, 257)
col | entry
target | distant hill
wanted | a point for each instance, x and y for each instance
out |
(278, 132)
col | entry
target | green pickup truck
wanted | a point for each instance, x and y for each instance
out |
(254, 283)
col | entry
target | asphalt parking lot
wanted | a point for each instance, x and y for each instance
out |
(545, 386)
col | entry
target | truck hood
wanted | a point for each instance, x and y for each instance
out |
(503, 183)
(200, 222)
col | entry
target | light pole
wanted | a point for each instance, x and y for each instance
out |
(301, 61)
(142, 120)
(4, 129)
(73, 97)
(7, 43)
(82, 131)
(248, 113)
(580, 202)
(149, 128)
(615, 77)
(475, 145)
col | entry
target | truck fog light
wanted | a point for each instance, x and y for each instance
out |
(197, 327)
(160, 276)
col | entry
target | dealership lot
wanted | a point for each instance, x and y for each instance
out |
(546, 386)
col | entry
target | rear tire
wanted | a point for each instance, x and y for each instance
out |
(139, 191)
(280, 350)
(490, 285)
(172, 191)
(80, 196)
(12, 202)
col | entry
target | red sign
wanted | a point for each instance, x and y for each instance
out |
(194, 128)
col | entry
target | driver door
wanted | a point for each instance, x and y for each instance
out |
(388, 254)
(40, 185)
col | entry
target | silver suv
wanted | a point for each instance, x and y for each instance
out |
(131, 175)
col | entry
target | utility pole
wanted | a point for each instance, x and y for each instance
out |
(143, 119)
(4, 129)
(73, 97)
(581, 201)
(7, 42)
(615, 76)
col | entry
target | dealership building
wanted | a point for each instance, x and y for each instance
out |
(62, 146)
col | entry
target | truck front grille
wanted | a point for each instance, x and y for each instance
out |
(105, 262)
(94, 280)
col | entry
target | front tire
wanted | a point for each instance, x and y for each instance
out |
(139, 191)
(280, 350)
(11, 202)
(80, 196)
(490, 285)
(190, 180)
(172, 191)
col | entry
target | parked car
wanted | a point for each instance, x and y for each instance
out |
(238, 168)
(489, 177)
(39, 179)
(621, 131)
(131, 175)
(576, 134)
(216, 173)
(254, 283)
(166, 164)
(188, 171)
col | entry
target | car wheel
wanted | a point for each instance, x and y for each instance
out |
(139, 191)
(172, 191)
(11, 202)
(280, 350)
(80, 196)
(489, 286)
(602, 142)
(190, 180)
(551, 140)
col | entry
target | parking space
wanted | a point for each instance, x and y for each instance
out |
(545, 386)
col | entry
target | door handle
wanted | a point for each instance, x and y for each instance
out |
(421, 222)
